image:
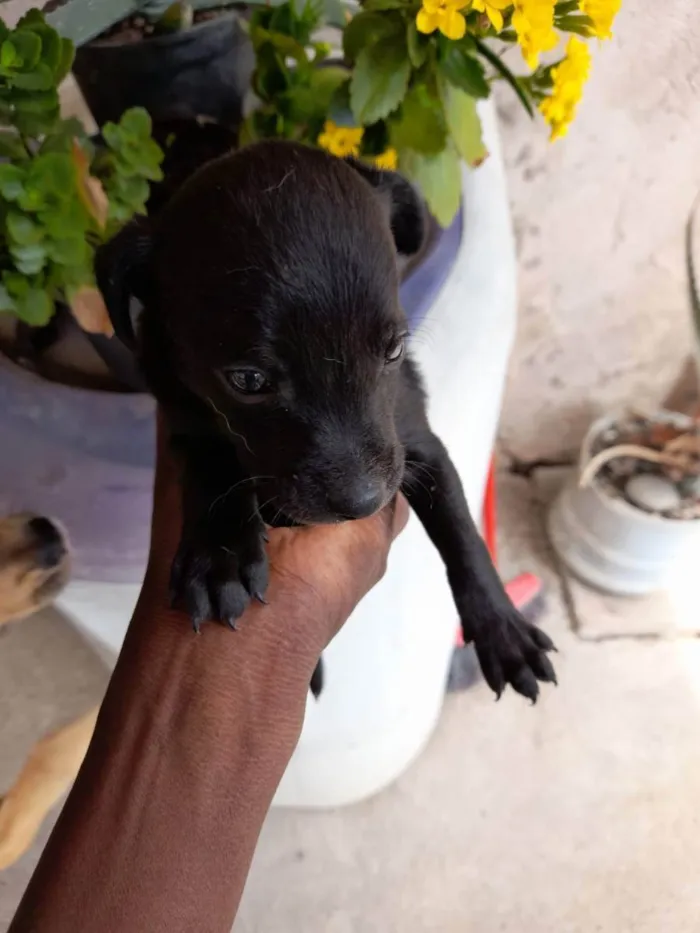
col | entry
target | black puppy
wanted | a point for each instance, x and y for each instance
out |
(273, 339)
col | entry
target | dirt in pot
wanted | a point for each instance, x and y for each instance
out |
(137, 27)
(654, 465)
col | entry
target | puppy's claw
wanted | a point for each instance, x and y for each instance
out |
(511, 651)
(541, 639)
(231, 623)
(525, 683)
(260, 598)
(543, 668)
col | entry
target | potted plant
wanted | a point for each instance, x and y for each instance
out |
(61, 195)
(177, 60)
(632, 513)
(405, 94)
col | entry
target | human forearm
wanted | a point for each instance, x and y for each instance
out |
(193, 737)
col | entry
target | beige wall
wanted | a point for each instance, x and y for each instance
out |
(599, 220)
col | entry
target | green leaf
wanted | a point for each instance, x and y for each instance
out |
(9, 56)
(29, 259)
(50, 47)
(299, 23)
(28, 47)
(271, 76)
(31, 198)
(383, 4)
(66, 60)
(112, 135)
(36, 308)
(339, 107)
(23, 230)
(11, 181)
(439, 178)
(136, 122)
(53, 173)
(7, 302)
(420, 124)
(367, 28)
(35, 102)
(463, 124)
(417, 45)
(40, 79)
(465, 72)
(68, 251)
(326, 84)
(568, 6)
(35, 124)
(506, 73)
(380, 80)
(61, 139)
(580, 25)
(11, 147)
(32, 17)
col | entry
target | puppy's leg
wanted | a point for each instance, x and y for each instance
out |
(46, 776)
(221, 562)
(510, 650)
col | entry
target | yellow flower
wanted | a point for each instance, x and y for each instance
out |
(569, 77)
(341, 140)
(533, 21)
(443, 15)
(492, 8)
(602, 12)
(387, 160)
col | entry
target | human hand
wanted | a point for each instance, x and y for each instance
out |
(318, 574)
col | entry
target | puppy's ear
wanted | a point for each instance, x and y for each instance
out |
(123, 272)
(405, 206)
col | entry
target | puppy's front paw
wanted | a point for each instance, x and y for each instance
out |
(213, 581)
(512, 651)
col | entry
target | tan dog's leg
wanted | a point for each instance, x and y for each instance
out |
(47, 774)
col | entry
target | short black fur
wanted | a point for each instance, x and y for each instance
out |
(278, 262)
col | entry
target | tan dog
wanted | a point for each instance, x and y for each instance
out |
(34, 568)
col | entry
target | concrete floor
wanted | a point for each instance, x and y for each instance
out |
(578, 815)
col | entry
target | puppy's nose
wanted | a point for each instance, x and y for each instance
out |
(49, 541)
(358, 499)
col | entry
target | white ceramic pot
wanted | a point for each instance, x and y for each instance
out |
(612, 545)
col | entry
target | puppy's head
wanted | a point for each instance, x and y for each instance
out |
(272, 289)
(34, 564)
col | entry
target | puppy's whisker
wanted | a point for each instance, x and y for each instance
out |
(331, 359)
(226, 422)
(411, 480)
(417, 465)
(258, 510)
(241, 482)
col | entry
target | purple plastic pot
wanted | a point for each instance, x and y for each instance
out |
(86, 457)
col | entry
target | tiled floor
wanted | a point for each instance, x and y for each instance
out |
(578, 815)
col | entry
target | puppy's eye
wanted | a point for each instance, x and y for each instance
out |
(248, 381)
(395, 350)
